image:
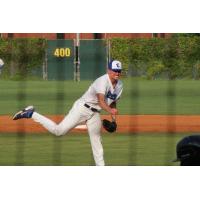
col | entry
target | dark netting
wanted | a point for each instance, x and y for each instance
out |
(171, 120)
(21, 135)
(59, 108)
(133, 134)
(21, 101)
(160, 86)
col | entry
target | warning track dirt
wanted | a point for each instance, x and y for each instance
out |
(126, 124)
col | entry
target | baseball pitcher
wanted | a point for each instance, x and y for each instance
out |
(103, 93)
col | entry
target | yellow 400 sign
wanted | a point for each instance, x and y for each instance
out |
(62, 52)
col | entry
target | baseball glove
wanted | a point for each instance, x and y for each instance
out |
(109, 126)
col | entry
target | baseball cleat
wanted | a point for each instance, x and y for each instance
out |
(25, 113)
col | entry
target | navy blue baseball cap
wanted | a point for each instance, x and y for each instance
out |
(188, 148)
(115, 66)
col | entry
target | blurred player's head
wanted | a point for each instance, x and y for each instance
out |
(188, 151)
(114, 69)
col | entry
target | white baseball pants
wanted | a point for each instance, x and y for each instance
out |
(78, 114)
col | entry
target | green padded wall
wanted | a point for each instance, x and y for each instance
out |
(60, 59)
(93, 59)
(61, 56)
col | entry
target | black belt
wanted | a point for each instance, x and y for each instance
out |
(91, 108)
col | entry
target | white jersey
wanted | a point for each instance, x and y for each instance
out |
(102, 85)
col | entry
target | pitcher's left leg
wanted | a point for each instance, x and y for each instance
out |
(94, 129)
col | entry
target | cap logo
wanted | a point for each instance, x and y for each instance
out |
(117, 64)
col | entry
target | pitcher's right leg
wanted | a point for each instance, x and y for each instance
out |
(69, 122)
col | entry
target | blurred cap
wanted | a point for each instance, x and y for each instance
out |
(115, 66)
(188, 148)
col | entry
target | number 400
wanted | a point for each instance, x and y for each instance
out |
(62, 52)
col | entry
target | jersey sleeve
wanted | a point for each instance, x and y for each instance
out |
(100, 86)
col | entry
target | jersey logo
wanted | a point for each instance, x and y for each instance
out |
(111, 96)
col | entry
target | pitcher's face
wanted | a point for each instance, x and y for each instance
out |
(114, 74)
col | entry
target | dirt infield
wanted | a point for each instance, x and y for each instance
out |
(126, 124)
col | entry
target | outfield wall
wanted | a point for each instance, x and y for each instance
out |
(61, 59)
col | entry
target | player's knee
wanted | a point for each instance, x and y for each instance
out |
(59, 132)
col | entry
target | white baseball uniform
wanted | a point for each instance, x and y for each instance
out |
(86, 109)
(1, 65)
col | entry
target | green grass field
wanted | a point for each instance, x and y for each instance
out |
(139, 96)
(54, 97)
(75, 150)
